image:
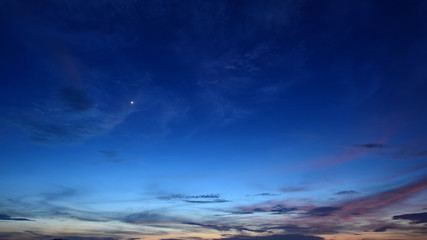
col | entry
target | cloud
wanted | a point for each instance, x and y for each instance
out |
(346, 192)
(275, 237)
(249, 211)
(292, 228)
(413, 149)
(208, 201)
(279, 209)
(62, 193)
(323, 211)
(30, 235)
(89, 238)
(222, 228)
(4, 217)
(109, 154)
(51, 205)
(75, 99)
(420, 154)
(112, 157)
(266, 194)
(142, 217)
(383, 199)
(71, 113)
(184, 238)
(182, 196)
(383, 228)
(411, 153)
(65, 117)
(212, 226)
(276, 209)
(322, 220)
(215, 198)
(46, 209)
(339, 158)
(294, 189)
(370, 145)
(236, 75)
(120, 232)
(413, 217)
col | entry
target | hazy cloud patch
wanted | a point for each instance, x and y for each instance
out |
(223, 228)
(276, 209)
(54, 122)
(110, 156)
(294, 189)
(142, 217)
(211, 226)
(207, 201)
(323, 211)
(370, 145)
(347, 192)
(203, 198)
(75, 99)
(266, 194)
(415, 218)
(5, 217)
(183, 196)
(275, 237)
(383, 228)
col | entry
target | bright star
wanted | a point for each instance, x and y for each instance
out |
(131, 102)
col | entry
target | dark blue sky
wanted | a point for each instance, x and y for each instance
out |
(225, 120)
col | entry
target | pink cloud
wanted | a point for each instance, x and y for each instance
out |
(368, 204)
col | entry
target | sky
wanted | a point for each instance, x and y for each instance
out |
(213, 120)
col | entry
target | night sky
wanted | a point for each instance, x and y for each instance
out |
(208, 120)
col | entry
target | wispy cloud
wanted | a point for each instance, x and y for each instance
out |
(413, 149)
(207, 201)
(381, 200)
(266, 194)
(413, 217)
(203, 198)
(68, 237)
(4, 217)
(142, 217)
(30, 235)
(75, 99)
(294, 189)
(322, 219)
(222, 227)
(112, 157)
(182, 196)
(323, 211)
(276, 209)
(347, 192)
(211, 226)
(67, 118)
(383, 228)
(109, 154)
(275, 237)
(370, 145)
(411, 153)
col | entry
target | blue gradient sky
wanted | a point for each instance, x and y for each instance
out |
(227, 120)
